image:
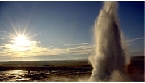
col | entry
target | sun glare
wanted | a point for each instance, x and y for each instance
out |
(21, 40)
(22, 43)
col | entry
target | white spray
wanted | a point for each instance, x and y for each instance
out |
(110, 52)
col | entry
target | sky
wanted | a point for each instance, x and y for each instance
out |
(62, 30)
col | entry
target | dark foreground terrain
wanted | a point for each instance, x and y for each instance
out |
(136, 68)
(60, 71)
(44, 76)
(43, 71)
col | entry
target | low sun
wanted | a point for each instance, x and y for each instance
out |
(21, 42)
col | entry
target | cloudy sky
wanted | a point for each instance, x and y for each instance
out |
(62, 30)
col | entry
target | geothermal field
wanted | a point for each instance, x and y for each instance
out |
(110, 62)
(52, 71)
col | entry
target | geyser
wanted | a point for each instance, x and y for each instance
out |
(110, 54)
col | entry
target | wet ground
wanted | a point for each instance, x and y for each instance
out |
(66, 74)
(44, 76)
(57, 76)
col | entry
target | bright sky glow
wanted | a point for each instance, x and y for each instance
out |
(21, 43)
(61, 30)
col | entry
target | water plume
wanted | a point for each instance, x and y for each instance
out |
(110, 51)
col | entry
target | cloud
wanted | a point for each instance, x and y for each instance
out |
(2, 38)
(83, 50)
(135, 39)
(70, 49)
(84, 43)
(36, 50)
(79, 49)
(9, 50)
(3, 31)
(76, 44)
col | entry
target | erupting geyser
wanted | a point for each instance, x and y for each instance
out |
(110, 54)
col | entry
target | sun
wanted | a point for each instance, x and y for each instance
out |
(21, 42)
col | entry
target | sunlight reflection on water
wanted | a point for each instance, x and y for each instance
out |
(17, 71)
(41, 76)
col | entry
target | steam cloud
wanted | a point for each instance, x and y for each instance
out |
(110, 51)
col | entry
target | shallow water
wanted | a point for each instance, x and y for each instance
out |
(44, 76)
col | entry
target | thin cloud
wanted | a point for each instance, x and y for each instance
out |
(38, 51)
(76, 44)
(135, 39)
(84, 43)
(83, 50)
(78, 49)
(3, 31)
(2, 38)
